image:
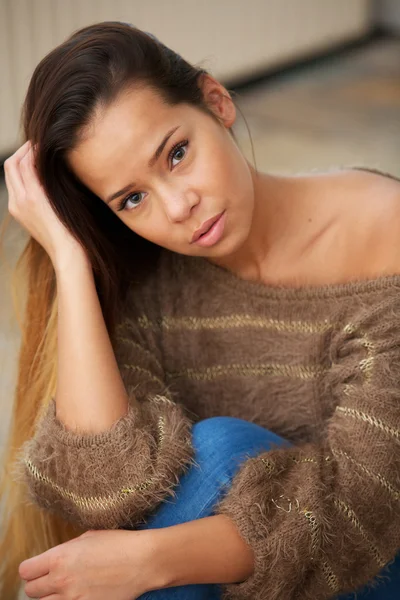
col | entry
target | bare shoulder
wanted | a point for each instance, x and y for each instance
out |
(359, 218)
(375, 200)
(378, 194)
(354, 233)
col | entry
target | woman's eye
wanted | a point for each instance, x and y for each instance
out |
(129, 202)
(179, 151)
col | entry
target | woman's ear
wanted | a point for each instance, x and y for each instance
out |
(218, 100)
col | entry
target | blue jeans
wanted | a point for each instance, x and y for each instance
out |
(221, 444)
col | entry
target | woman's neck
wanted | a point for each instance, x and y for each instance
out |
(287, 222)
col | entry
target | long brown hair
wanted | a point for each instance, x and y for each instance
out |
(85, 73)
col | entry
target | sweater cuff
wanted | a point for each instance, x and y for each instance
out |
(52, 426)
(233, 505)
(111, 479)
(251, 503)
(249, 587)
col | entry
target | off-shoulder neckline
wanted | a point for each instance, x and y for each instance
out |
(231, 281)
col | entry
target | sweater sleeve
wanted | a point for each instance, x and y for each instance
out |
(324, 518)
(115, 478)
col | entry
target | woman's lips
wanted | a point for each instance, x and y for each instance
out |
(214, 234)
(204, 227)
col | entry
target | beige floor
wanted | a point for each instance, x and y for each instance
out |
(344, 111)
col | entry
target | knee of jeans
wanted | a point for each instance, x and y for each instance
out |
(215, 426)
(227, 434)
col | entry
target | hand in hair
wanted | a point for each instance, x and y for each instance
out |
(29, 205)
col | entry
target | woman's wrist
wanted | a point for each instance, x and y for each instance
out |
(208, 550)
(69, 255)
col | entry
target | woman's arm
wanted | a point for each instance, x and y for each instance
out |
(127, 564)
(111, 478)
(90, 392)
(208, 550)
(109, 448)
(323, 517)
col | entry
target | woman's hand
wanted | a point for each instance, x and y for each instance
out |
(97, 565)
(29, 205)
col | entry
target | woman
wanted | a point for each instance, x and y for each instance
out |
(211, 355)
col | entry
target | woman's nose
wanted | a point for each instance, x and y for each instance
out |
(178, 204)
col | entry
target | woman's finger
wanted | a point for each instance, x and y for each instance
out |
(38, 588)
(21, 153)
(8, 185)
(28, 169)
(37, 566)
(23, 149)
(12, 170)
(15, 180)
(18, 154)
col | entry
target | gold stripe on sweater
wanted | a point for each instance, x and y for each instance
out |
(131, 342)
(351, 515)
(304, 372)
(366, 365)
(314, 527)
(161, 430)
(308, 514)
(330, 577)
(382, 480)
(146, 372)
(362, 416)
(89, 503)
(232, 321)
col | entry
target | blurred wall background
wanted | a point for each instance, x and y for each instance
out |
(387, 13)
(234, 39)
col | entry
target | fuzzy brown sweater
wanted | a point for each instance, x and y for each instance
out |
(319, 366)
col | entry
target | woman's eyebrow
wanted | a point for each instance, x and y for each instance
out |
(152, 162)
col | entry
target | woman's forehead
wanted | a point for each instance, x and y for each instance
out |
(127, 134)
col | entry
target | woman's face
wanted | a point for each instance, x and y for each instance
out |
(198, 172)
